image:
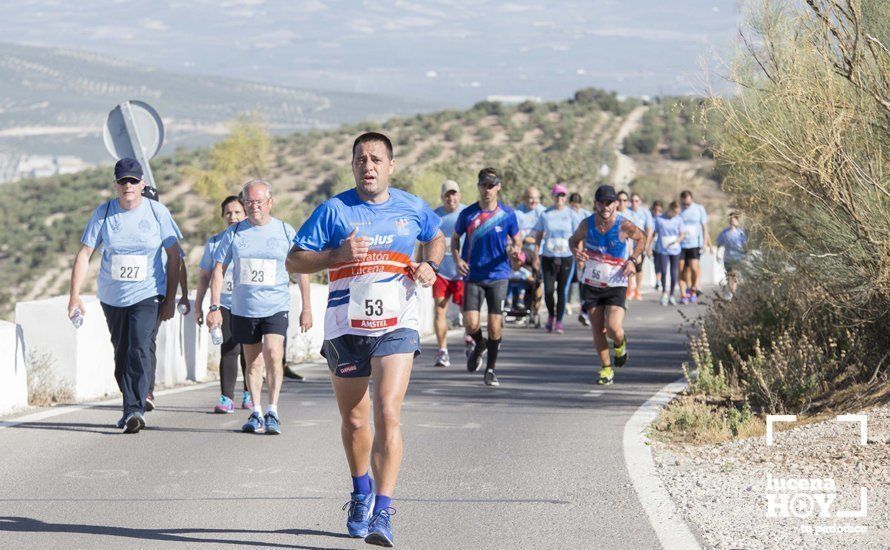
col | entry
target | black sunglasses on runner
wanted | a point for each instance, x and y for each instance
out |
(488, 184)
(125, 181)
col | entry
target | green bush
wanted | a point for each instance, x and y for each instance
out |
(454, 132)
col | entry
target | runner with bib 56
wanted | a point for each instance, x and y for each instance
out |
(601, 243)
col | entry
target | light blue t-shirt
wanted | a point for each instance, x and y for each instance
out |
(207, 263)
(558, 227)
(133, 243)
(448, 270)
(582, 213)
(259, 278)
(528, 219)
(733, 240)
(641, 218)
(667, 230)
(693, 218)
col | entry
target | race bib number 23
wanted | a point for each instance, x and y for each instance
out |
(257, 272)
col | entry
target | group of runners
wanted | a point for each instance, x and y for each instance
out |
(366, 239)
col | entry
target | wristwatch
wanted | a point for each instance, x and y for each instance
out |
(434, 265)
(214, 308)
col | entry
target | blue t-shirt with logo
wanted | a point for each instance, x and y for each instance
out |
(693, 218)
(133, 250)
(375, 295)
(256, 254)
(448, 270)
(207, 263)
(557, 227)
(485, 246)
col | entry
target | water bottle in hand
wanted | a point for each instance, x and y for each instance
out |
(77, 318)
(181, 308)
(216, 336)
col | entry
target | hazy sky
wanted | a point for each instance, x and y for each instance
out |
(450, 51)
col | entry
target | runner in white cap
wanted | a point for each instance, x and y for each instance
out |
(449, 284)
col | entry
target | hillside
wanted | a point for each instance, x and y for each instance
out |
(532, 143)
(54, 101)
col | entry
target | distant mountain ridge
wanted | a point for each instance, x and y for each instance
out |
(54, 101)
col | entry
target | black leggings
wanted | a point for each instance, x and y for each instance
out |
(229, 354)
(556, 278)
(669, 265)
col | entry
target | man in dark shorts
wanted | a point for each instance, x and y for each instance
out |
(256, 249)
(695, 227)
(365, 237)
(601, 242)
(492, 237)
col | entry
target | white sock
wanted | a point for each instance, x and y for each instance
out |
(272, 409)
(443, 350)
(257, 409)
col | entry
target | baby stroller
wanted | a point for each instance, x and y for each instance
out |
(524, 291)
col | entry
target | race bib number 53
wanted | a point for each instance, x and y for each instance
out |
(129, 267)
(373, 306)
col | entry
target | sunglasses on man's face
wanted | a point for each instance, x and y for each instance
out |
(130, 181)
(559, 195)
(488, 185)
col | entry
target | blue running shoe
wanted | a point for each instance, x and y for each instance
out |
(380, 528)
(273, 426)
(360, 507)
(255, 424)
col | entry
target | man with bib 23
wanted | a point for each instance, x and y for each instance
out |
(257, 248)
(365, 238)
(601, 243)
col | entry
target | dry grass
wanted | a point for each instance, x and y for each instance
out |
(45, 388)
(691, 419)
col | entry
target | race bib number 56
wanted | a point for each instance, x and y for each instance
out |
(601, 272)
(373, 306)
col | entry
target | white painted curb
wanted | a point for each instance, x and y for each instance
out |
(664, 517)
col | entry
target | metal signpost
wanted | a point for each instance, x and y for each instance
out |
(134, 129)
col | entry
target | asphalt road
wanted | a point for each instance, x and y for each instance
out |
(535, 463)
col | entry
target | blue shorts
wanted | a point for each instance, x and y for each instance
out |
(349, 356)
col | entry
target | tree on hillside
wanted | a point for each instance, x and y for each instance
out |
(241, 156)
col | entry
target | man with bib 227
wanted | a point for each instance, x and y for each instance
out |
(601, 243)
(257, 248)
(365, 238)
(135, 291)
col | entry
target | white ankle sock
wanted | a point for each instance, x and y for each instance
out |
(258, 409)
(272, 409)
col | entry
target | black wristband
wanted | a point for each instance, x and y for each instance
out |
(433, 265)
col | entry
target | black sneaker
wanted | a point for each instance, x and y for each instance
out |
(491, 378)
(582, 318)
(475, 357)
(150, 403)
(292, 374)
(122, 422)
(134, 423)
